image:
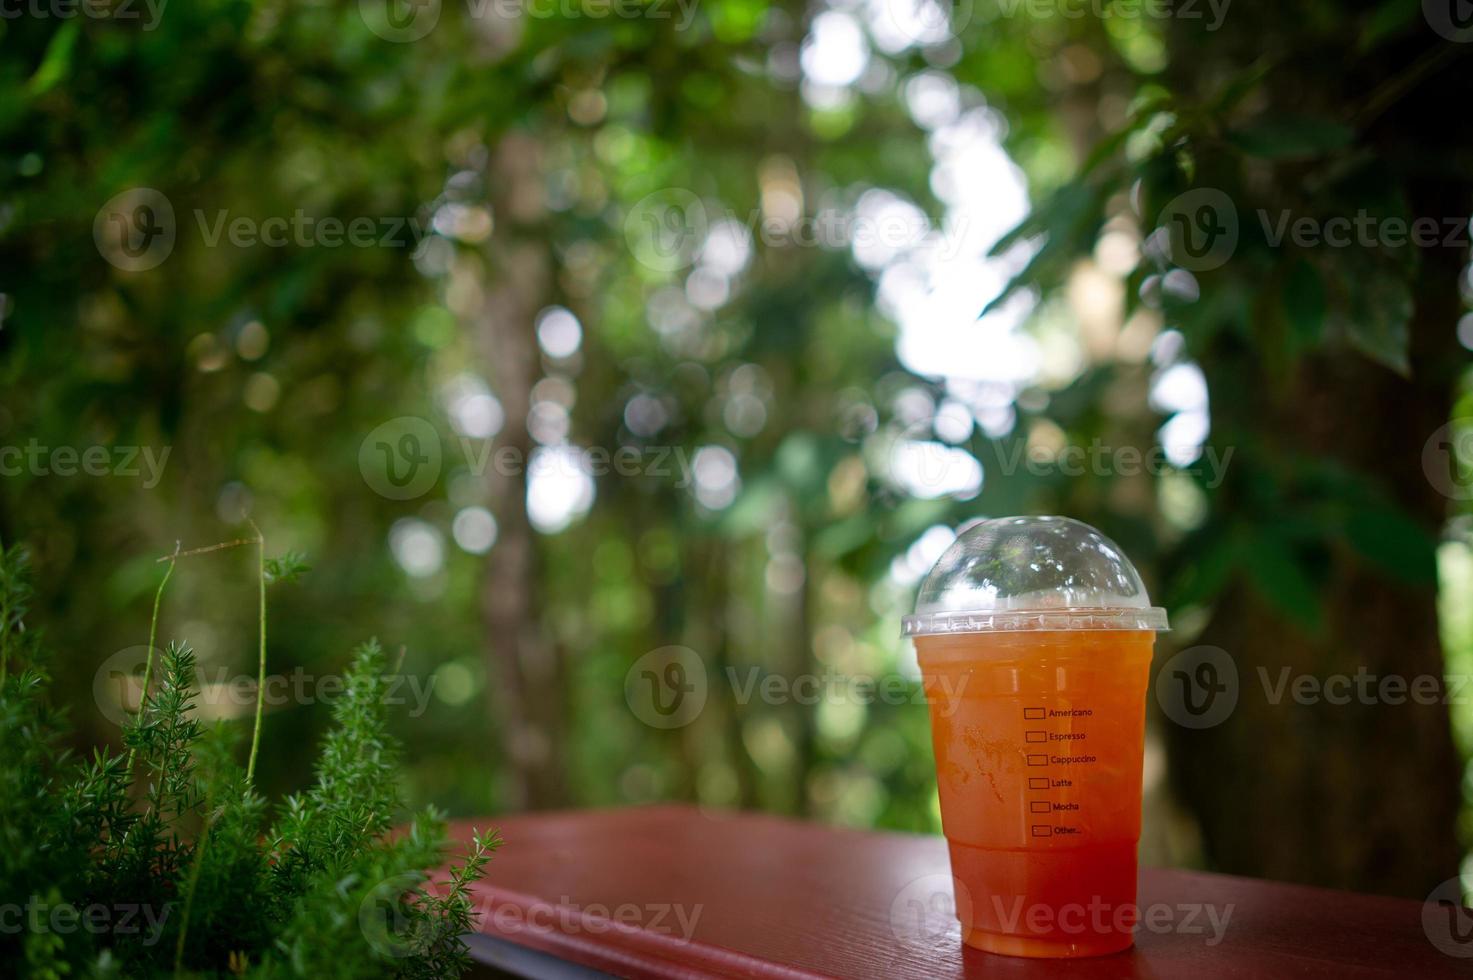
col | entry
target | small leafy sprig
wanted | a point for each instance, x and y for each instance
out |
(175, 832)
(450, 916)
(287, 569)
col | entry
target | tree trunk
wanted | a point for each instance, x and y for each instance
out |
(1364, 794)
(527, 687)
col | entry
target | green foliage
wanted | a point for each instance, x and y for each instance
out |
(179, 868)
(15, 598)
(525, 147)
(288, 568)
(1272, 138)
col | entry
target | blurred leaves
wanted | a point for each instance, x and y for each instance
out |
(1394, 542)
(1282, 578)
(1065, 225)
(57, 61)
(1305, 303)
(1289, 137)
(519, 147)
(1375, 314)
(288, 568)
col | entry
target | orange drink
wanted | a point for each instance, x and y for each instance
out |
(1038, 721)
(1038, 739)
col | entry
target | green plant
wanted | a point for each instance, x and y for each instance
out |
(165, 860)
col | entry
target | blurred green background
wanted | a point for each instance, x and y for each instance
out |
(762, 250)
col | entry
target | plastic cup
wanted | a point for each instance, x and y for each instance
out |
(1034, 636)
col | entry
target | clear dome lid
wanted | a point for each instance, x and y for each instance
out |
(1032, 573)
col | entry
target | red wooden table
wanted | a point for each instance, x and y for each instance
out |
(677, 891)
